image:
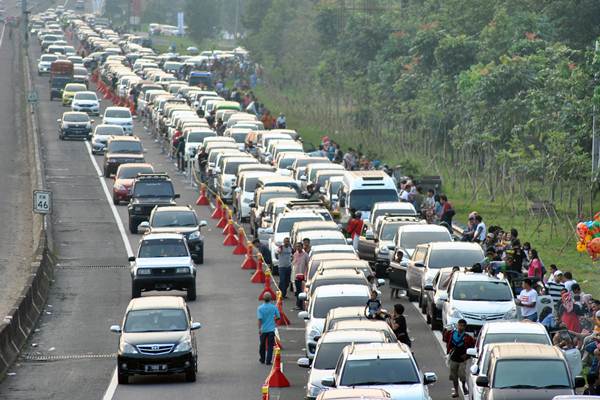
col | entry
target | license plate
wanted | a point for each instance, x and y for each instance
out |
(155, 367)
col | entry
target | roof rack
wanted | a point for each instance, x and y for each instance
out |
(304, 203)
(156, 175)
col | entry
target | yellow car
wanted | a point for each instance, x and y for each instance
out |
(70, 90)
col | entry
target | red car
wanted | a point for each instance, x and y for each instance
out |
(124, 177)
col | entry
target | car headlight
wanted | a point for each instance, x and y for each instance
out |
(127, 348)
(314, 332)
(313, 391)
(144, 271)
(512, 314)
(186, 345)
(195, 235)
(182, 270)
(455, 313)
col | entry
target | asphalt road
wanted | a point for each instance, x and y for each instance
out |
(71, 355)
(15, 201)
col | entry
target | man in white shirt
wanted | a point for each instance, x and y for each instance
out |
(569, 281)
(480, 230)
(527, 300)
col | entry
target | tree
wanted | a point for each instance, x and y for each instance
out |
(202, 18)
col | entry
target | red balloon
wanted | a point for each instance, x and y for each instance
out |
(594, 247)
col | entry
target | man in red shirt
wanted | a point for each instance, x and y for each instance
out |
(354, 228)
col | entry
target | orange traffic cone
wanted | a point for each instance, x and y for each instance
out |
(218, 213)
(259, 275)
(241, 247)
(267, 288)
(230, 239)
(276, 378)
(283, 319)
(265, 392)
(229, 228)
(224, 218)
(202, 199)
(249, 262)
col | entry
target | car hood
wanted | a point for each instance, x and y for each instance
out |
(124, 182)
(176, 229)
(153, 200)
(163, 262)
(124, 155)
(404, 392)
(155, 337)
(527, 394)
(117, 121)
(483, 307)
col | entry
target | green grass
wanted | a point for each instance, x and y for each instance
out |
(555, 242)
(162, 44)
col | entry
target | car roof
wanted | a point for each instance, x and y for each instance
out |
(116, 108)
(350, 263)
(333, 256)
(514, 327)
(124, 138)
(341, 290)
(354, 394)
(527, 351)
(282, 189)
(350, 335)
(333, 247)
(158, 236)
(393, 205)
(153, 302)
(173, 208)
(318, 234)
(318, 225)
(367, 351)
(453, 246)
(330, 274)
(475, 277)
(361, 323)
(422, 228)
(136, 165)
(345, 312)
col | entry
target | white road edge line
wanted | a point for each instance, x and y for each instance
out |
(112, 386)
(2, 34)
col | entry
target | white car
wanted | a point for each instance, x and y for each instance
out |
(227, 177)
(101, 135)
(387, 366)
(477, 298)
(86, 102)
(324, 299)
(45, 62)
(244, 192)
(329, 349)
(283, 225)
(194, 138)
(119, 116)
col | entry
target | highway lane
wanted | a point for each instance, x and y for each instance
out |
(15, 201)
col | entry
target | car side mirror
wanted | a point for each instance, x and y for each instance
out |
(92, 121)
(380, 282)
(58, 120)
(482, 381)
(474, 369)
(428, 287)
(579, 381)
(328, 382)
(419, 265)
(443, 296)
(203, 223)
(144, 227)
(303, 315)
(195, 326)
(471, 351)
(322, 190)
(303, 178)
(369, 234)
(131, 259)
(252, 205)
(115, 328)
(429, 378)
(349, 241)
(176, 196)
(303, 362)
(302, 296)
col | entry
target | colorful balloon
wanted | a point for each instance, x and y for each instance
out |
(594, 247)
(581, 247)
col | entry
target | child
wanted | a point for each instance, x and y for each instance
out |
(373, 308)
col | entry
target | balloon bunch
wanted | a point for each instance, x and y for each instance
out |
(589, 237)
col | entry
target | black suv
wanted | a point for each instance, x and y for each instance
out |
(157, 338)
(178, 219)
(149, 191)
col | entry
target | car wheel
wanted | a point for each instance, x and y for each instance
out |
(123, 378)
(116, 201)
(132, 226)
(200, 256)
(411, 297)
(106, 173)
(422, 303)
(190, 374)
(135, 291)
(428, 315)
(436, 324)
(61, 136)
(191, 293)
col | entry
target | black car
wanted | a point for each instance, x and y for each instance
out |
(149, 191)
(178, 219)
(75, 125)
(157, 338)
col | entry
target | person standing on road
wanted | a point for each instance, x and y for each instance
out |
(264, 251)
(181, 154)
(266, 314)
(354, 228)
(284, 252)
(299, 270)
(527, 300)
(457, 343)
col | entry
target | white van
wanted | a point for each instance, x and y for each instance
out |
(362, 189)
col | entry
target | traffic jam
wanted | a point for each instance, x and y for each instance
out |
(339, 247)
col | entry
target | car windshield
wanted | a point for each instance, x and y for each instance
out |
(285, 224)
(272, 195)
(328, 354)
(363, 199)
(516, 337)
(291, 185)
(153, 189)
(239, 137)
(124, 146)
(152, 248)
(198, 137)
(174, 218)
(334, 187)
(444, 281)
(389, 230)
(232, 166)
(482, 291)
(49, 58)
(410, 240)
(531, 374)
(250, 184)
(132, 172)
(322, 305)
(76, 118)
(117, 114)
(86, 96)
(80, 71)
(110, 130)
(325, 177)
(327, 241)
(138, 321)
(74, 88)
(379, 371)
(285, 163)
(455, 257)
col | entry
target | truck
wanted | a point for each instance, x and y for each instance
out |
(61, 73)
(200, 78)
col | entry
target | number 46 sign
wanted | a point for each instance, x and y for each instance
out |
(42, 201)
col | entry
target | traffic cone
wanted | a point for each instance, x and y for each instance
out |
(276, 378)
(218, 213)
(223, 221)
(267, 288)
(278, 339)
(259, 275)
(229, 228)
(249, 262)
(265, 392)
(283, 319)
(230, 239)
(241, 247)
(202, 199)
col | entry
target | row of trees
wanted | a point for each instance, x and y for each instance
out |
(499, 91)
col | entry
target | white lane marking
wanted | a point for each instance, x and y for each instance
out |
(436, 334)
(112, 386)
(2, 34)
